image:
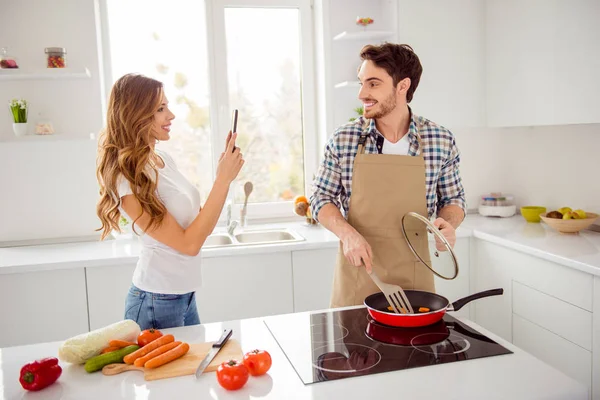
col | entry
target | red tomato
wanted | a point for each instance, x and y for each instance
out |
(147, 336)
(258, 362)
(232, 375)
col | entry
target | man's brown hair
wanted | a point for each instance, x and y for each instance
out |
(399, 61)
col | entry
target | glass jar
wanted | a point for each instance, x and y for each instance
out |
(56, 57)
(7, 61)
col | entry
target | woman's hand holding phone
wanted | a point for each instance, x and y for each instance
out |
(230, 162)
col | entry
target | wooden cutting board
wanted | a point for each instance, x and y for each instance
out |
(185, 365)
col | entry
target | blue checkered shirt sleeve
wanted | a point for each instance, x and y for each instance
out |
(327, 184)
(450, 190)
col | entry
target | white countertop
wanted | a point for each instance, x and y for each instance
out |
(580, 251)
(511, 376)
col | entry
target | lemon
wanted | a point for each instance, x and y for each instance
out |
(580, 214)
(569, 215)
(564, 210)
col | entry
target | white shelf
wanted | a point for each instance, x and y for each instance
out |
(46, 74)
(347, 84)
(41, 138)
(363, 35)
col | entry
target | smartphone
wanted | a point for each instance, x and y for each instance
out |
(234, 118)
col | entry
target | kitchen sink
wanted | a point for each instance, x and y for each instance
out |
(218, 240)
(270, 236)
(252, 237)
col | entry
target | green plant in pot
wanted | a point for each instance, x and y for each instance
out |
(359, 111)
(19, 109)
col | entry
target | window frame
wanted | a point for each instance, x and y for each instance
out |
(220, 112)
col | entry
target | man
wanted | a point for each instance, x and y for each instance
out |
(378, 168)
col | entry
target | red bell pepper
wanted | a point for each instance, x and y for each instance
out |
(40, 374)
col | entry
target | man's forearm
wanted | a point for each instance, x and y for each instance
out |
(453, 214)
(333, 220)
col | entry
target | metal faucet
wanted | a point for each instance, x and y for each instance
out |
(231, 225)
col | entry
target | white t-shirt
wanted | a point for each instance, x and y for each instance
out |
(160, 268)
(399, 148)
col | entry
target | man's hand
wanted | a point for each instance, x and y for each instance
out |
(447, 230)
(357, 250)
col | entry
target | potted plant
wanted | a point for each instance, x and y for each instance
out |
(358, 110)
(19, 109)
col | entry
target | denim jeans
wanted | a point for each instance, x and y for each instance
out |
(161, 311)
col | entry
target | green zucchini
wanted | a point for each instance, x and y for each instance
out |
(98, 362)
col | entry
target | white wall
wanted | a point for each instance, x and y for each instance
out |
(451, 52)
(44, 180)
(550, 166)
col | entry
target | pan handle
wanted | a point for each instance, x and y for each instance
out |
(460, 303)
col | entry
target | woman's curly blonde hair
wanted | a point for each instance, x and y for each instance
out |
(125, 150)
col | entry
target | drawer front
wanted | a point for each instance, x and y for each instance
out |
(561, 318)
(564, 283)
(555, 351)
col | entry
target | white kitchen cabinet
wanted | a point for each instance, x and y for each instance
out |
(248, 286)
(547, 309)
(42, 306)
(553, 350)
(313, 278)
(107, 289)
(542, 62)
(492, 269)
(565, 320)
(498, 266)
(458, 287)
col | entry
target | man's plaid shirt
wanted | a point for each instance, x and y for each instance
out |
(333, 182)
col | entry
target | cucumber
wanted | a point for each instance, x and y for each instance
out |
(98, 362)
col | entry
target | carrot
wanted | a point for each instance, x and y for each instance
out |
(162, 349)
(169, 356)
(423, 309)
(109, 349)
(121, 343)
(155, 344)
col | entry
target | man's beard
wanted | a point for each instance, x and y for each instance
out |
(385, 108)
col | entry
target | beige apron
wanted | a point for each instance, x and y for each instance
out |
(384, 188)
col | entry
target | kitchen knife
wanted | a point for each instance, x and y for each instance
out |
(213, 351)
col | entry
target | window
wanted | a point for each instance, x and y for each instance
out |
(214, 56)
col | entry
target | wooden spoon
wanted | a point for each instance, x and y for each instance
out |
(248, 187)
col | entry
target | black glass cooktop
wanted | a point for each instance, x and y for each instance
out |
(341, 344)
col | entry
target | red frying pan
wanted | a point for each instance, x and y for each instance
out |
(377, 306)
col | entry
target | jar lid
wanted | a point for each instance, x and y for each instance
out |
(55, 50)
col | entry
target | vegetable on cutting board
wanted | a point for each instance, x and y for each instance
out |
(148, 336)
(153, 345)
(80, 348)
(109, 349)
(169, 356)
(98, 362)
(121, 343)
(40, 374)
(154, 353)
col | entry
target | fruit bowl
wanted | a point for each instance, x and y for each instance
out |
(569, 225)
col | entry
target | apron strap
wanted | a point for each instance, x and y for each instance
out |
(361, 143)
(363, 140)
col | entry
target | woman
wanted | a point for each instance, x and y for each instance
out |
(143, 184)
